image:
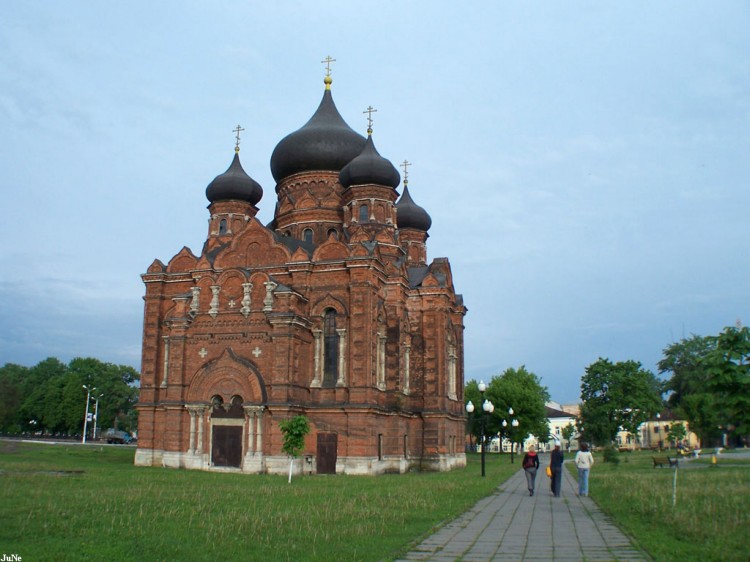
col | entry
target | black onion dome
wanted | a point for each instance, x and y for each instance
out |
(411, 215)
(325, 142)
(369, 167)
(234, 184)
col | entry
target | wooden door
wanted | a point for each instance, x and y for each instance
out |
(326, 453)
(227, 445)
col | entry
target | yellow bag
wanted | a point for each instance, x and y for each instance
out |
(549, 471)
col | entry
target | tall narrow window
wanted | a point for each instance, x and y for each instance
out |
(223, 226)
(331, 349)
(307, 235)
(364, 213)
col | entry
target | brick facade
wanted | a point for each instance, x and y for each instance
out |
(331, 311)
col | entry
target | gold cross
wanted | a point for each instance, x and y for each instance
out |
(237, 144)
(327, 61)
(370, 110)
(405, 165)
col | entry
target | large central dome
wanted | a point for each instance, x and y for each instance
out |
(325, 142)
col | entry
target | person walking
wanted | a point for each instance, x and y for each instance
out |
(555, 464)
(530, 465)
(584, 460)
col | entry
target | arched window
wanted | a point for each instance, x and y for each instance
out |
(307, 235)
(330, 349)
(332, 232)
(223, 226)
(364, 213)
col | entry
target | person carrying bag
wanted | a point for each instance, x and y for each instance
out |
(530, 465)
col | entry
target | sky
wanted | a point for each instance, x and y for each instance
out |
(585, 164)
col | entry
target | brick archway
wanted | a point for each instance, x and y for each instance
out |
(227, 376)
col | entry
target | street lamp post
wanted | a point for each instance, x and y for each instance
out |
(89, 390)
(487, 408)
(96, 413)
(514, 424)
(658, 429)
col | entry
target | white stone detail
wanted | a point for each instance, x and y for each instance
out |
(195, 301)
(268, 302)
(214, 310)
(246, 298)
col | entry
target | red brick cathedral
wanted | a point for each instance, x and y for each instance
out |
(331, 310)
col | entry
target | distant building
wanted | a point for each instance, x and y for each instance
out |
(654, 433)
(332, 311)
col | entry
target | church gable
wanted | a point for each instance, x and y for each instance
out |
(227, 376)
(156, 267)
(332, 249)
(300, 255)
(183, 261)
(255, 246)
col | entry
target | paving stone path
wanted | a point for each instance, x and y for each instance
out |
(511, 525)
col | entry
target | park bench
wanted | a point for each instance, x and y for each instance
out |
(662, 461)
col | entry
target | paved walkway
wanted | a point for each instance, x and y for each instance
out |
(511, 525)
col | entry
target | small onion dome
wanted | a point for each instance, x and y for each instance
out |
(234, 184)
(325, 142)
(369, 167)
(411, 215)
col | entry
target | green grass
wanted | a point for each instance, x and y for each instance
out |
(115, 511)
(710, 520)
(67, 502)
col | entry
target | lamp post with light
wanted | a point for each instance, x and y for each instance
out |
(89, 390)
(487, 409)
(514, 424)
(658, 430)
(96, 413)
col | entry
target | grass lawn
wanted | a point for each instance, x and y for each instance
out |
(71, 502)
(710, 520)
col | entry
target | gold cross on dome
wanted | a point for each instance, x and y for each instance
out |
(405, 165)
(370, 110)
(237, 130)
(327, 61)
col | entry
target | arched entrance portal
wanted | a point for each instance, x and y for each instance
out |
(229, 394)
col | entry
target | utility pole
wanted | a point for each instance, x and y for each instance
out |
(96, 413)
(89, 390)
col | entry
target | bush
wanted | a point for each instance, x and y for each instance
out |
(611, 454)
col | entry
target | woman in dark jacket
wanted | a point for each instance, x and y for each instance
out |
(530, 466)
(555, 464)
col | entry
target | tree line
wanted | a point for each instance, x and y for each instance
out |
(705, 380)
(49, 397)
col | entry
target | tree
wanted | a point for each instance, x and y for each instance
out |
(728, 368)
(11, 397)
(523, 391)
(677, 432)
(684, 360)
(294, 431)
(617, 396)
(568, 432)
(688, 388)
(49, 396)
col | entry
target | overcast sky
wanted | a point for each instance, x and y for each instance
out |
(585, 164)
